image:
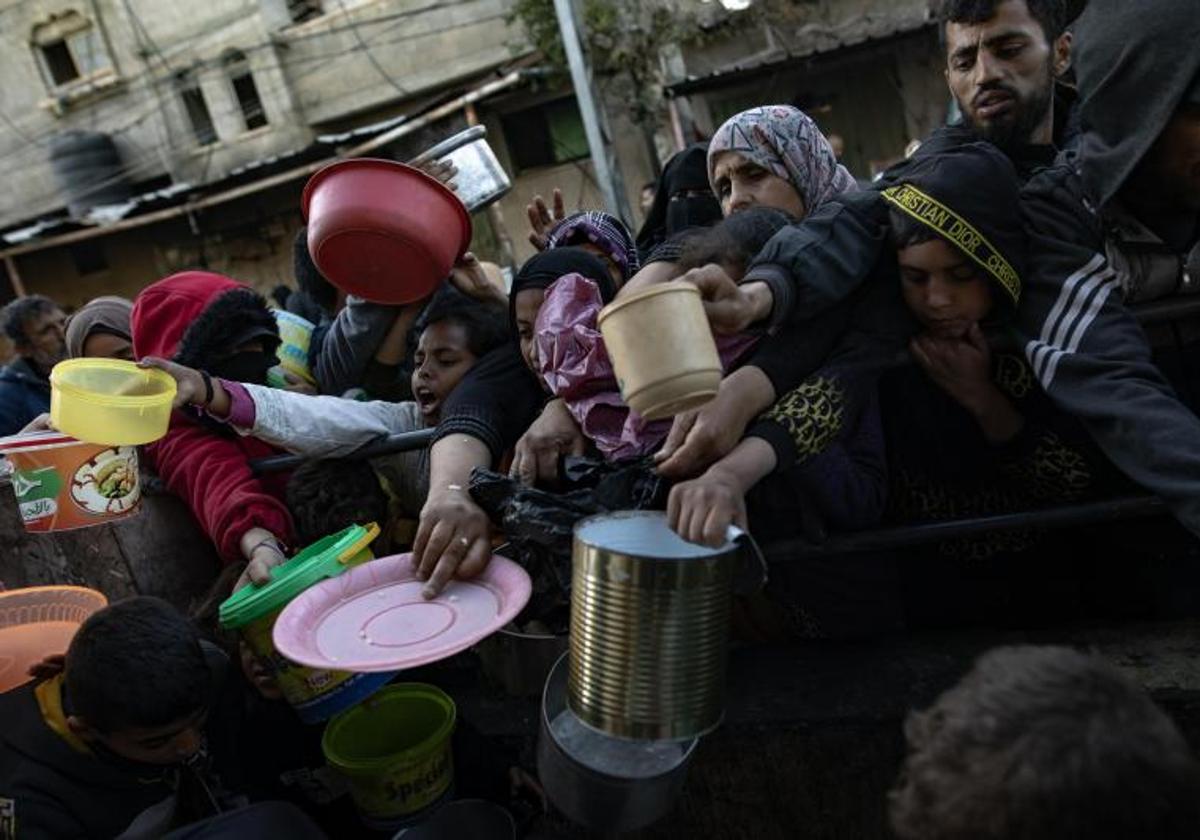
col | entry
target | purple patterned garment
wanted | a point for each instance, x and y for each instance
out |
(602, 230)
(787, 142)
(575, 366)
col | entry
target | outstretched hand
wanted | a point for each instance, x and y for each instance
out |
(469, 277)
(441, 170)
(191, 388)
(731, 308)
(541, 221)
(453, 539)
(298, 385)
(50, 666)
(700, 438)
(41, 423)
(552, 434)
(701, 510)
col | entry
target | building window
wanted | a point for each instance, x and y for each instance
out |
(302, 10)
(546, 135)
(69, 48)
(238, 70)
(196, 108)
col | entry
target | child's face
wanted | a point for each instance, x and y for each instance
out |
(159, 745)
(942, 288)
(527, 303)
(443, 358)
(107, 346)
(614, 270)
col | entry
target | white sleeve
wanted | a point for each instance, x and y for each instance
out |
(324, 426)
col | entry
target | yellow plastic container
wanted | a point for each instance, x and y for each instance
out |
(295, 337)
(110, 401)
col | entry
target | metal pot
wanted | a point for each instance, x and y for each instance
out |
(480, 179)
(520, 662)
(606, 784)
(649, 627)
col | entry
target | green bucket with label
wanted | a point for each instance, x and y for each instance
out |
(394, 750)
(316, 694)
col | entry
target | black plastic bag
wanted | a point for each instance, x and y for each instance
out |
(539, 525)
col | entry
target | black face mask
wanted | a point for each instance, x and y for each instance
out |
(692, 209)
(247, 366)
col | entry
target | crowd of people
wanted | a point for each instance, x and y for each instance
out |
(954, 339)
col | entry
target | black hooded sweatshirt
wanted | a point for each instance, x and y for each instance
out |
(1136, 63)
(51, 790)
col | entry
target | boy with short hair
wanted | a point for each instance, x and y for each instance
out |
(1045, 743)
(117, 736)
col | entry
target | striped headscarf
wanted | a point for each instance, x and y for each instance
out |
(784, 140)
(601, 229)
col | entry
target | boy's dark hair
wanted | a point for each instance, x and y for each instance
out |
(485, 324)
(907, 231)
(733, 241)
(325, 497)
(21, 311)
(1045, 743)
(1051, 14)
(136, 663)
(308, 277)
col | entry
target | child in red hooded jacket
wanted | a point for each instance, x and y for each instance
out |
(217, 325)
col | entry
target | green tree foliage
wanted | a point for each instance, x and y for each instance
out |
(624, 39)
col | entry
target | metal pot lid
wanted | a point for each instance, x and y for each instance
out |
(646, 534)
(615, 757)
(643, 534)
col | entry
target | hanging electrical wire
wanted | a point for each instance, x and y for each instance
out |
(136, 167)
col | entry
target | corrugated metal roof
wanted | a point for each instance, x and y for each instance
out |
(107, 214)
(807, 42)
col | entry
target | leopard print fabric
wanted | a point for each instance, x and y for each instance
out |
(1051, 472)
(1055, 472)
(917, 499)
(812, 414)
(1013, 376)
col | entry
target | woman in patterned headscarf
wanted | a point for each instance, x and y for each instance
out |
(774, 156)
(603, 235)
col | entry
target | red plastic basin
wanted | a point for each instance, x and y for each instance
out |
(382, 230)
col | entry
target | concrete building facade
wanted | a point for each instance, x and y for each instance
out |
(229, 97)
(214, 114)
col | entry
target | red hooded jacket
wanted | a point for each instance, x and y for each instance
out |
(208, 470)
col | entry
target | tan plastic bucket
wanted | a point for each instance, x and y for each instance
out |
(662, 350)
(62, 483)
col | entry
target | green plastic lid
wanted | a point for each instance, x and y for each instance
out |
(323, 559)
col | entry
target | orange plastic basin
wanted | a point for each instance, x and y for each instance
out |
(37, 622)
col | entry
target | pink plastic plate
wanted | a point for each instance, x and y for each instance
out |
(373, 618)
